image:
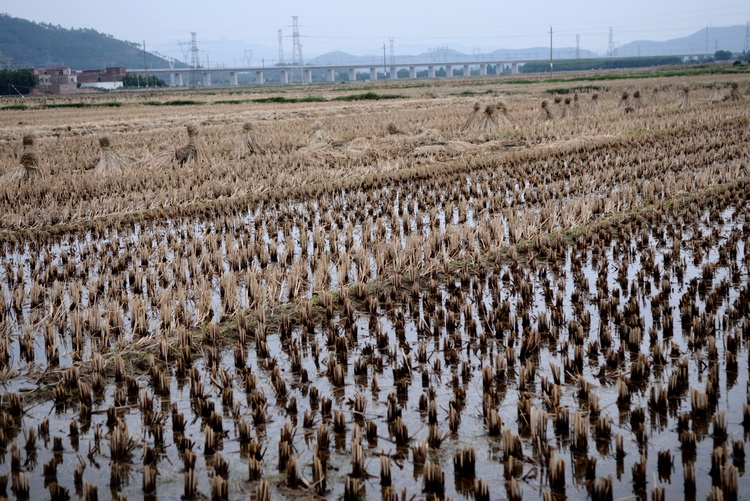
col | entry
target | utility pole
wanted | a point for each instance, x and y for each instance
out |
(385, 65)
(393, 52)
(550, 49)
(611, 47)
(144, 61)
(578, 46)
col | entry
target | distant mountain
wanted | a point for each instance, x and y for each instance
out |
(731, 38)
(24, 44)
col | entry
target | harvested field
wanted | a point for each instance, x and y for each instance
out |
(381, 299)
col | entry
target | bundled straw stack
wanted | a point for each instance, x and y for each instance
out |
(29, 167)
(637, 103)
(545, 114)
(654, 101)
(594, 105)
(576, 106)
(246, 144)
(474, 119)
(684, 101)
(194, 152)
(109, 162)
(734, 93)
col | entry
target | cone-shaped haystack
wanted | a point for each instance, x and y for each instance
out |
(109, 162)
(475, 118)
(684, 101)
(654, 101)
(28, 167)
(734, 93)
(194, 151)
(717, 95)
(637, 102)
(488, 121)
(624, 100)
(576, 106)
(594, 104)
(566, 111)
(558, 111)
(246, 144)
(545, 114)
(503, 115)
(319, 137)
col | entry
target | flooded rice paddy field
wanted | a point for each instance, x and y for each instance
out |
(564, 322)
(616, 358)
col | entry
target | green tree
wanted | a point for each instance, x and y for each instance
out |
(131, 80)
(723, 55)
(16, 81)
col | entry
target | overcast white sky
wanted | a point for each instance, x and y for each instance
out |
(362, 27)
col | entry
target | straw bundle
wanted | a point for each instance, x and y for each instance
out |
(576, 106)
(195, 150)
(624, 100)
(545, 114)
(246, 143)
(474, 119)
(29, 166)
(558, 112)
(684, 101)
(734, 93)
(654, 101)
(109, 162)
(637, 103)
(716, 96)
(594, 104)
(566, 109)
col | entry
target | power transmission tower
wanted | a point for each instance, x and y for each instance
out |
(248, 57)
(578, 46)
(747, 37)
(393, 52)
(281, 48)
(297, 60)
(195, 62)
(611, 48)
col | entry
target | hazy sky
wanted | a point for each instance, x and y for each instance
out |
(362, 27)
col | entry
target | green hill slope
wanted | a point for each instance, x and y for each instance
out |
(25, 44)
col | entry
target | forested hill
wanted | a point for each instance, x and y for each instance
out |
(24, 44)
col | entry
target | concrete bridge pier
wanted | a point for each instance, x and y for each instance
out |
(284, 77)
(373, 73)
(352, 74)
(483, 70)
(259, 78)
(233, 78)
(206, 79)
(307, 75)
(430, 72)
(177, 79)
(448, 70)
(467, 70)
(394, 73)
(412, 72)
(330, 75)
(514, 68)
